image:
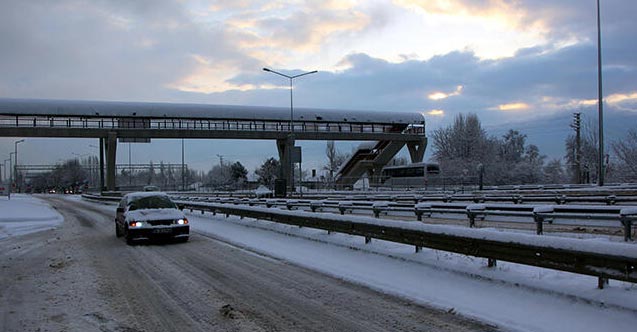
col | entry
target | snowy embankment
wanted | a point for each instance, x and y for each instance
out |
(23, 214)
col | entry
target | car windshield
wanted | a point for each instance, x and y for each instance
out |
(151, 202)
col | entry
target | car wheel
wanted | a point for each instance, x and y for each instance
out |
(118, 233)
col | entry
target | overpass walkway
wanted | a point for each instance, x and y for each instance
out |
(140, 121)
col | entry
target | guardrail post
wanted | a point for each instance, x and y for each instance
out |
(422, 208)
(541, 214)
(344, 206)
(474, 211)
(368, 239)
(560, 199)
(492, 262)
(418, 249)
(627, 216)
(379, 207)
(611, 200)
(517, 199)
(316, 205)
(601, 281)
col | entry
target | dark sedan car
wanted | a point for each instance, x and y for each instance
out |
(148, 215)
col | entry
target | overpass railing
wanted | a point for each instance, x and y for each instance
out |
(31, 121)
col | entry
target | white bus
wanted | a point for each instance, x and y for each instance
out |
(417, 175)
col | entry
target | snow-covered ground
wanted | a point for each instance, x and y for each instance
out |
(515, 297)
(24, 214)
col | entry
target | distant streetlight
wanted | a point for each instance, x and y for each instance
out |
(15, 166)
(11, 169)
(600, 129)
(5, 167)
(290, 148)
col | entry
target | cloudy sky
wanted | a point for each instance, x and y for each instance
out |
(524, 64)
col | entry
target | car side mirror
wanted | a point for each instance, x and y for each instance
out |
(120, 210)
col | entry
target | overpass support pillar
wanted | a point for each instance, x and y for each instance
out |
(285, 146)
(102, 164)
(111, 153)
(417, 150)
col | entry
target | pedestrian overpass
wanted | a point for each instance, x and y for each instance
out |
(142, 121)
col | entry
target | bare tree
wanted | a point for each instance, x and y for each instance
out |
(334, 159)
(589, 158)
(463, 145)
(554, 172)
(625, 151)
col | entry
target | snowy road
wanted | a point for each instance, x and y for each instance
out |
(79, 277)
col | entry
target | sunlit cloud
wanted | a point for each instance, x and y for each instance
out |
(436, 112)
(620, 97)
(442, 95)
(513, 107)
(492, 29)
(211, 76)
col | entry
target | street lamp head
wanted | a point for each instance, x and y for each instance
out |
(19, 141)
(266, 69)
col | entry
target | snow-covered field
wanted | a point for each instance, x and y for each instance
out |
(514, 297)
(24, 214)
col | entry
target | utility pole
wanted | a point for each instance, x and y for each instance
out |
(578, 146)
(221, 171)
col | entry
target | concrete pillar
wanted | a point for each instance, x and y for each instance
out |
(417, 150)
(284, 146)
(101, 164)
(111, 153)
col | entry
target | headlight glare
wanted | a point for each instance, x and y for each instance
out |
(182, 221)
(135, 224)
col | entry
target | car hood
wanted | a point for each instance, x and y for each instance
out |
(154, 214)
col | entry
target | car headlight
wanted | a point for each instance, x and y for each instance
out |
(182, 221)
(135, 224)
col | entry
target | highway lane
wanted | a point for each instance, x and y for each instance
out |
(80, 277)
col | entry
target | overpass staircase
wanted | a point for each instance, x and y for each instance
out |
(368, 159)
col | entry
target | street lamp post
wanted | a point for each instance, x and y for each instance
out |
(15, 166)
(290, 148)
(6, 176)
(183, 175)
(11, 171)
(600, 129)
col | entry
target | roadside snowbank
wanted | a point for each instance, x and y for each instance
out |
(512, 296)
(24, 214)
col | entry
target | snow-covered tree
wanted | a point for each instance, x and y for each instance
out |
(625, 151)
(267, 172)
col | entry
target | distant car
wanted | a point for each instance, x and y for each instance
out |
(151, 188)
(148, 215)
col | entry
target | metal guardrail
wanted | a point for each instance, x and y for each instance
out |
(569, 213)
(543, 253)
(613, 261)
